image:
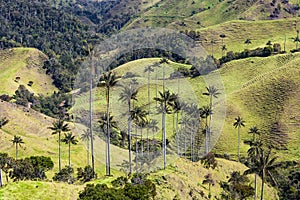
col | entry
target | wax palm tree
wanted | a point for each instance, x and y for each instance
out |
(166, 101)
(59, 127)
(17, 141)
(149, 69)
(212, 91)
(69, 139)
(127, 95)
(162, 62)
(153, 125)
(86, 137)
(138, 115)
(264, 166)
(239, 122)
(255, 146)
(3, 122)
(205, 112)
(177, 106)
(108, 80)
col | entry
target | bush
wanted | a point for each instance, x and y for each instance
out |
(30, 83)
(86, 174)
(31, 168)
(143, 189)
(65, 175)
(5, 97)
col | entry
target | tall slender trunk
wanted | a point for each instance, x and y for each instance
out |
(239, 141)
(209, 127)
(142, 144)
(156, 90)
(59, 153)
(91, 124)
(107, 135)
(191, 143)
(149, 108)
(164, 83)
(69, 154)
(177, 133)
(88, 153)
(164, 135)
(206, 136)
(262, 186)
(129, 137)
(255, 186)
(1, 177)
(16, 151)
(136, 152)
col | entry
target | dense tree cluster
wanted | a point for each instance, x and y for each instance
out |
(55, 105)
(137, 188)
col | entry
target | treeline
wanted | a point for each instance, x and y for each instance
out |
(55, 105)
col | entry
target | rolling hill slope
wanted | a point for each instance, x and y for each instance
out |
(27, 64)
(262, 90)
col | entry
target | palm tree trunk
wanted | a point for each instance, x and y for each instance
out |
(149, 108)
(210, 119)
(91, 126)
(107, 135)
(164, 135)
(16, 151)
(255, 186)
(59, 153)
(88, 153)
(136, 152)
(262, 186)
(69, 154)
(206, 137)
(177, 134)
(1, 177)
(239, 141)
(129, 137)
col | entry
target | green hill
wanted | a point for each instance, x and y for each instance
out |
(207, 13)
(18, 66)
(267, 84)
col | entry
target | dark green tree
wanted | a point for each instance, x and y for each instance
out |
(3, 122)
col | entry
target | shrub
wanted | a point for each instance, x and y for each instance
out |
(85, 174)
(30, 83)
(65, 175)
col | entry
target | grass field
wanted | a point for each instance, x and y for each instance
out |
(25, 63)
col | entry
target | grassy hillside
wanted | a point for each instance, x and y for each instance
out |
(184, 179)
(25, 63)
(207, 13)
(262, 90)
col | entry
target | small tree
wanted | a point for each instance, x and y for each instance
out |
(65, 175)
(3, 122)
(210, 181)
(17, 141)
(69, 139)
(239, 122)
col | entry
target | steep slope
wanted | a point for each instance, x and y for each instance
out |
(18, 66)
(33, 128)
(207, 13)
